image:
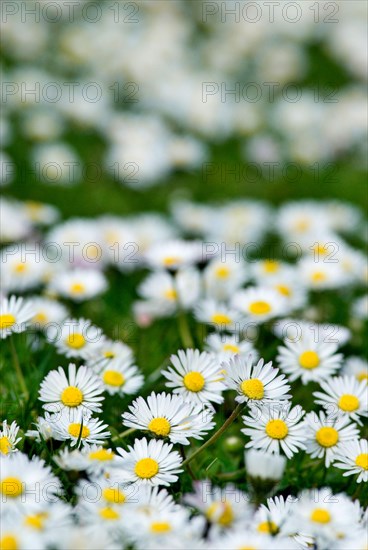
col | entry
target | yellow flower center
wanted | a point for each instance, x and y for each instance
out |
(75, 341)
(284, 290)
(253, 388)
(109, 354)
(320, 515)
(318, 276)
(36, 521)
(271, 266)
(220, 319)
(9, 543)
(7, 320)
(160, 426)
(34, 209)
(40, 318)
(20, 268)
(348, 402)
(363, 375)
(327, 437)
(11, 487)
(362, 461)
(102, 455)
(5, 445)
(231, 347)
(222, 512)
(146, 468)
(247, 548)
(309, 360)
(171, 294)
(113, 495)
(75, 429)
(194, 381)
(113, 378)
(171, 260)
(321, 249)
(260, 307)
(302, 225)
(222, 272)
(159, 527)
(71, 396)
(109, 513)
(268, 527)
(277, 429)
(77, 288)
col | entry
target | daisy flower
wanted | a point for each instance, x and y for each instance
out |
(22, 478)
(259, 304)
(299, 218)
(76, 338)
(77, 426)
(359, 307)
(308, 359)
(40, 213)
(20, 270)
(8, 438)
(15, 313)
(150, 499)
(222, 277)
(195, 376)
(321, 275)
(218, 315)
(79, 389)
(107, 351)
(166, 415)
(121, 377)
(94, 459)
(275, 428)
(241, 538)
(356, 366)
(78, 284)
(47, 311)
(222, 507)
(43, 430)
(269, 519)
(345, 396)
(324, 436)
(225, 346)
(152, 463)
(352, 456)
(264, 465)
(172, 255)
(258, 383)
(298, 329)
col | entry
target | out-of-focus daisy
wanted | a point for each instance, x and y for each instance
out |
(294, 330)
(196, 377)
(264, 270)
(321, 275)
(40, 213)
(224, 346)
(22, 269)
(153, 463)
(151, 499)
(166, 415)
(20, 477)
(352, 456)
(78, 284)
(43, 430)
(264, 465)
(270, 518)
(356, 366)
(8, 438)
(80, 389)
(240, 538)
(47, 311)
(121, 377)
(77, 427)
(219, 315)
(345, 396)
(258, 383)
(50, 521)
(323, 436)
(360, 307)
(308, 358)
(76, 338)
(221, 506)
(289, 288)
(222, 277)
(296, 219)
(15, 313)
(259, 304)
(172, 255)
(275, 428)
(109, 351)
(95, 459)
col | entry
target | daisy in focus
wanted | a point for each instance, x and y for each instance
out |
(79, 428)
(121, 377)
(166, 415)
(352, 456)
(346, 396)
(258, 383)
(152, 463)
(275, 428)
(324, 436)
(196, 377)
(8, 438)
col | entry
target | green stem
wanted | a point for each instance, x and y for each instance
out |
(123, 434)
(184, 331)
(215, 436)
(17, 368)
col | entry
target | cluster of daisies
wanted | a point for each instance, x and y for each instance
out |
(108, 454)
(156, 107)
